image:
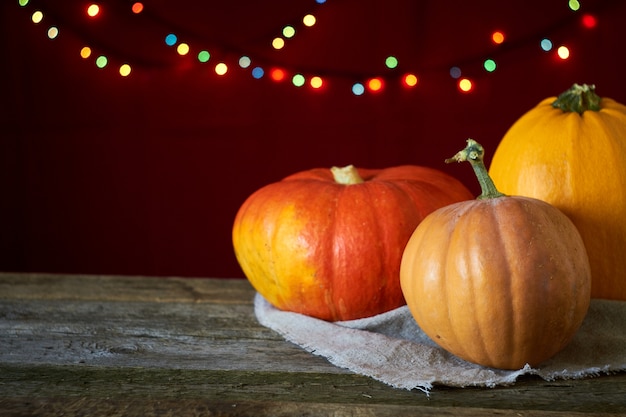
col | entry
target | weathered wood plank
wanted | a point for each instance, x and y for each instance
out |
(173, 334)
(120, 288)
(275, 388)
(85, 406)
(85, 345)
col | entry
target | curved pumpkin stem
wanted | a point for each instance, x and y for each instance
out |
(579, 98)
(474, 153)
(347, 175)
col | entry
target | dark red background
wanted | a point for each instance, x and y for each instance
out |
(144, 174)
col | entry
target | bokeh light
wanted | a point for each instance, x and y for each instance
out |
(204, 56)
(497, 37)
(93, 10)
(465, 85)
(125, 70)
(391, 62)
(289, 31)
(375, 84)
(358, 89)
(137, 7)
(101, 61)
(278, 43)
(309, 20)
(53, 32)
(37, 16)
(257, 72)
(410, 80)
(171, 39)
(244, 62)
(221, 68)
(298, 80)
(455, 72)
(589, 21)
(85, 52)
(182, 49)
(277, 74)
(316, 82)
(489, 65)
(546, 44)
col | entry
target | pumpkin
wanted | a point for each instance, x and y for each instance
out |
(570, 152)
(328, 242)
(500, 281)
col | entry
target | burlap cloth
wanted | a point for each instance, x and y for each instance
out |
(391, 348)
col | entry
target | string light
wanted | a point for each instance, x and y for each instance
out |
(244, 62)
(221, 68)
(489, 65)
(278, 43)
(53, 32)
(309, 20)
(465, 85)
(101, 61)
(497, 37)
(182, 49)
(125, 70)
(171, 39)
(289, 31)
(391, 62)
(277, 74)
(257, 72)
(374, 84)
(298, 80)
(93, 10)
(85, 52)
(358, 89)
(316, 82)
(204, 56)
(589, 21)
(546, 44)
(410, 80)
(37, 16)
(137, 7)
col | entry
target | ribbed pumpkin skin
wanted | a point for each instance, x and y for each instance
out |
(576, 162)
(332, 251)
(499, 282)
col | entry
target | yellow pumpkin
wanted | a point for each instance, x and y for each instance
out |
(501, 281)
(570, 151)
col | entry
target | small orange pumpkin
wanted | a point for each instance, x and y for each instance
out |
(499, 281)
(573, 149)
(328, 243)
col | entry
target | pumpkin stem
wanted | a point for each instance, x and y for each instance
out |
(579, 98)
(347, 175)
(474, 153)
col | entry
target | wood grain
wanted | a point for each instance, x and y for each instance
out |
(99, 345)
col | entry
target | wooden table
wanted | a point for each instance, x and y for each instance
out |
(107, 345)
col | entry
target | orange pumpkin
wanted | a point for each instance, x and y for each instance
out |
(328, 243)
(569, 151)
(499, 281)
